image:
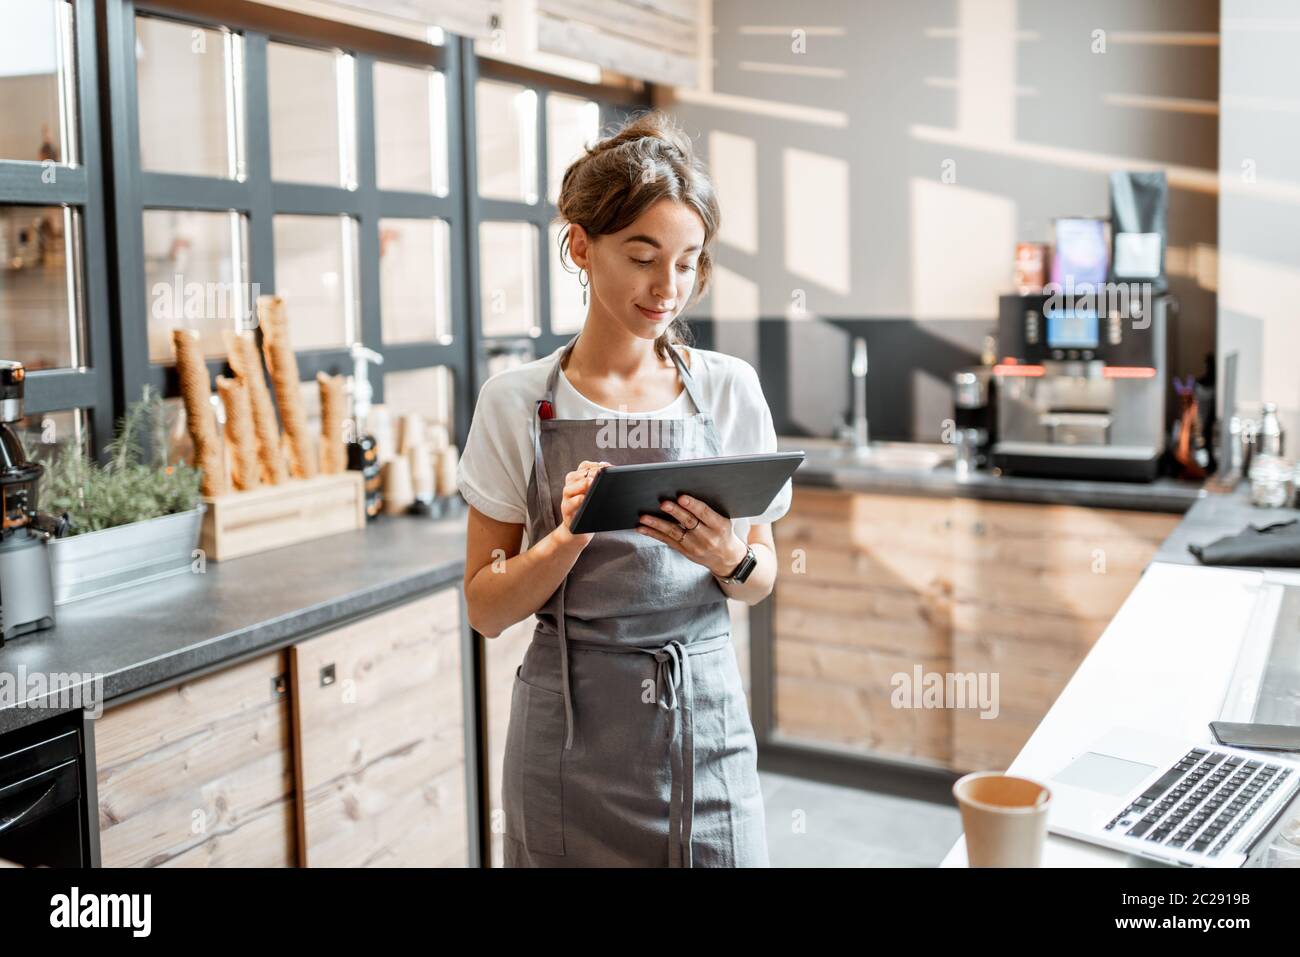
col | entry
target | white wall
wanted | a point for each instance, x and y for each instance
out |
(1259, 203)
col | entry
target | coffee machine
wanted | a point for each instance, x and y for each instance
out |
(1082, 383)
(26, 588)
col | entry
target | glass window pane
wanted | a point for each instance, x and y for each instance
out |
(312, 104)
(43, 433)
(410, 129)
(426, 391)
(415, 280)
(190, 83)
(40, 312)
(180, 447)
(567, 310)
(37, 119)
(507, 141)
(195, 273)
(316, 273)
(572, 124)
(508, 278)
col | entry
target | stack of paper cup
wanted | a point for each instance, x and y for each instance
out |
(412, 432)
(448, 459)
(422, 471)
(398, 491)
(439, 437)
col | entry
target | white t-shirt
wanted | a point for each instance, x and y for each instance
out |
(497, 462)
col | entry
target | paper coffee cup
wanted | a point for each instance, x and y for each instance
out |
(1004, 817)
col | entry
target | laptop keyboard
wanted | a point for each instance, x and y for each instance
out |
(1200, 803)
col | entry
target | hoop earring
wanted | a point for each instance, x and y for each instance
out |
(581, 272)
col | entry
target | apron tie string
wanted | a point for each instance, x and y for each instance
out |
(564, 674)
(674, 665)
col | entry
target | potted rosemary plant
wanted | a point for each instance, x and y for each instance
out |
(135, 518)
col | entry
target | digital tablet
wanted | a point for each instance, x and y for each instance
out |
(737, 486)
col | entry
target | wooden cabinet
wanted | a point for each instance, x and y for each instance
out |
(1034, 587)
(347, 749)
(874, 587)
(380, 740)
(861, 595)
(200, 774)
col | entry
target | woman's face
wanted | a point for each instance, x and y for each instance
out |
(642, 276)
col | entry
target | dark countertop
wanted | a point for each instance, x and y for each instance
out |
(153, 636)
(824, 468)
(157, 634)
(1214, 517)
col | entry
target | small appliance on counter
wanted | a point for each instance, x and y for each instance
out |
(363, 450)
(26, 586)
(974, 414)
(1082, 386)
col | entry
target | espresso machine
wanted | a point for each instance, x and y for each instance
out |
(1082, 384)
(26, 587)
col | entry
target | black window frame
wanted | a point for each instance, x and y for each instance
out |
(80, 185)
(259, 197)
(615, 103)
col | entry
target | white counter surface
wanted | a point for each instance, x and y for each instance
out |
(1164, 664)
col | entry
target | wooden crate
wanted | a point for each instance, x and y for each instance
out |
(244, 523)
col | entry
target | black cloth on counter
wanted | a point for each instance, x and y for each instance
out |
(1276, 545)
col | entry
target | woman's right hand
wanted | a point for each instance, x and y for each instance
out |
(576, 484)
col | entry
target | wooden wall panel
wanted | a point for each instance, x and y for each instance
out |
(862, 595)
(655, 40)
(871, 585)
(1034, 587)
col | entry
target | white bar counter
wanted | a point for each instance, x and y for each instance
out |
(1163, 664)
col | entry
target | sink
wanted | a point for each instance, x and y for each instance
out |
(889, 456)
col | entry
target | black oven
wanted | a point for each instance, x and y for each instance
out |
(47, 806)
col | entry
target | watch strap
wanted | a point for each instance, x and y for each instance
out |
(740, 574)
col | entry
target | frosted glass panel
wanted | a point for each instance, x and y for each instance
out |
(508, 277)
(414, 280)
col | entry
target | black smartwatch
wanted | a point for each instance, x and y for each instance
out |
(740, 574)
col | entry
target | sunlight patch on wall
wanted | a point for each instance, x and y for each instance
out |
(734, 163)
(963, 245)
(816, 196)
(734, 297)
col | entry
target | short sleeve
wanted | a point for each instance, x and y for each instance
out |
(492, 474)
(753, 432)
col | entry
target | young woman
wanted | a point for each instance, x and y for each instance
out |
(630, 742)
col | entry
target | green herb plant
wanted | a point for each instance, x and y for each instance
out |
(128, 487)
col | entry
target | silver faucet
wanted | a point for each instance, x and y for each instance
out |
(861, 435)
(855, 433)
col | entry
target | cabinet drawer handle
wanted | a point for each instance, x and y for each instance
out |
(327, 675)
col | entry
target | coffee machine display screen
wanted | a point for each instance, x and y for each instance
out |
(1071, 328)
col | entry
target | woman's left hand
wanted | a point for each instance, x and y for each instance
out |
(698, 532)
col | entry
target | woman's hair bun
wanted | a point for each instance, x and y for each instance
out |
(653, 124)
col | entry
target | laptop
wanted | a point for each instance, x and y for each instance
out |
(1169, 800)
(1189, 803)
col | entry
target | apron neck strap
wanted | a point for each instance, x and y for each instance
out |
(554, 376)
(692, 389)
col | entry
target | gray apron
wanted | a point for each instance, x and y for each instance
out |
(630, 741)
